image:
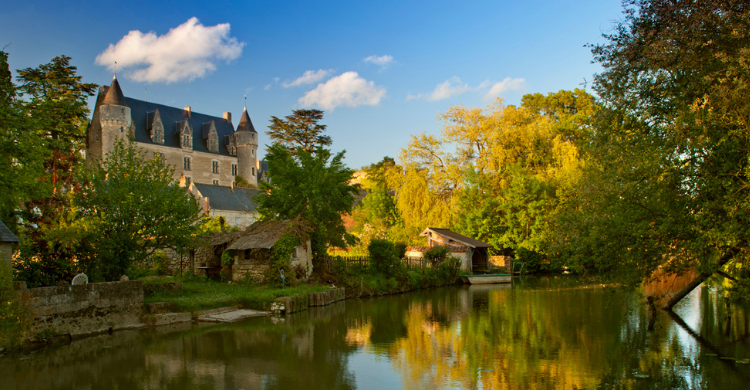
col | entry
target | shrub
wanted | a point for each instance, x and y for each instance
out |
(437, 254)
(13, 318)
(534, 260)
(383, 257)
(160, 262)
(400, 249)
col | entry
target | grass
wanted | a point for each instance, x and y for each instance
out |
(206, 294)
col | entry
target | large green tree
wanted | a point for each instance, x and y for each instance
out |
(310, 187)
(669, 184)
(299, 130)
(130, 206)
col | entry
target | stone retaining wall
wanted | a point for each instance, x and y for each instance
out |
(85, 309)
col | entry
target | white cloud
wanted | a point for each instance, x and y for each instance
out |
(186, 52)
(308, 77)
(275, 81)
(448, 88)
(347, 89)
(382, 61)
(508, 84)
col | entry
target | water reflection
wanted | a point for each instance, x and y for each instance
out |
(540, 333)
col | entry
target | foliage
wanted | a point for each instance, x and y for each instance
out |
(383, 257)
(311, 189)
(668, 179)
(160, 262)
(136, 207)
(437, 254)
(299, 130)
(226, 266)
(240, 182)
(44, 134)
(281, 254)
(22, 152)
(13, 318)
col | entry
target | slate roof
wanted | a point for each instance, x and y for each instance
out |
(223, 198)
(114, 94)
(6, 235)
(447, 233)
(170, 116)
(245, 123)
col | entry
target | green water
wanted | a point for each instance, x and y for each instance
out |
(541, 333)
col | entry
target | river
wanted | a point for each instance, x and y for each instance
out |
(547, 332)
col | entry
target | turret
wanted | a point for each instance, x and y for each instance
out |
(245, 139)
(112, 120)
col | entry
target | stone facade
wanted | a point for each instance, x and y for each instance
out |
(84, 309)
(201, 148)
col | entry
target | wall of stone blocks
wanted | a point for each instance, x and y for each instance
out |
(84, 309)
(200, 163)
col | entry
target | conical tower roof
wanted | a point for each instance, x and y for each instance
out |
(245, 123)
(114, 94)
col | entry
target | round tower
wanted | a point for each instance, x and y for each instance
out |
(114, 118)
(246, 139)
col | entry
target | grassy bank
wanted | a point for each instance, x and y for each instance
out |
(206, 294)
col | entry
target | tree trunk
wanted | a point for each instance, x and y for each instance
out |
(696, 282)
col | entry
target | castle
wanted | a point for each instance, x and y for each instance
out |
(203, 149)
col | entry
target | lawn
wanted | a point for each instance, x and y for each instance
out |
(206, 294)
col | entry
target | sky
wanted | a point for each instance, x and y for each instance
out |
(382, 71)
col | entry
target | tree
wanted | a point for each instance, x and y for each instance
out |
(57, 102)
(301, 129)
(668, 184)
(311, 187)
(133, 206)
(22, 152)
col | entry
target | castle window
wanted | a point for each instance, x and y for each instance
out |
(186, 163)
(253, 169)
(234, 169)
(216, 182)
(232, 151)
(215, 166)
(187, 181)
(185, 141)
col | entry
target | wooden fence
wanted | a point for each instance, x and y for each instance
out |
(364, 262)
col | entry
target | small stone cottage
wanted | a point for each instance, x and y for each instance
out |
(251, 249)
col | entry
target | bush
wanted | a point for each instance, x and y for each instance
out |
(13, 318)
(534, 260)
(437, 254)
(160, 262)
(383, 257)
(400, 249)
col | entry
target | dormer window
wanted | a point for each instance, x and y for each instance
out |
(155, 127)
(211, 137)
(186, 134)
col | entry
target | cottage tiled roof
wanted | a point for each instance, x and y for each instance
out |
(245, 123)
(6, 235)
(224, 198)
(447, 233)
(114, 94)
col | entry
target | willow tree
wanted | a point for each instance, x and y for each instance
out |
(497, 170)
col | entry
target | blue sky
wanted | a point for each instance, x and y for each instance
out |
(381, 70)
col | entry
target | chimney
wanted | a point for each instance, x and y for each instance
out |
(232, 185)
(188, 110)
(182, 181)
(228, 116)
(205, 204)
